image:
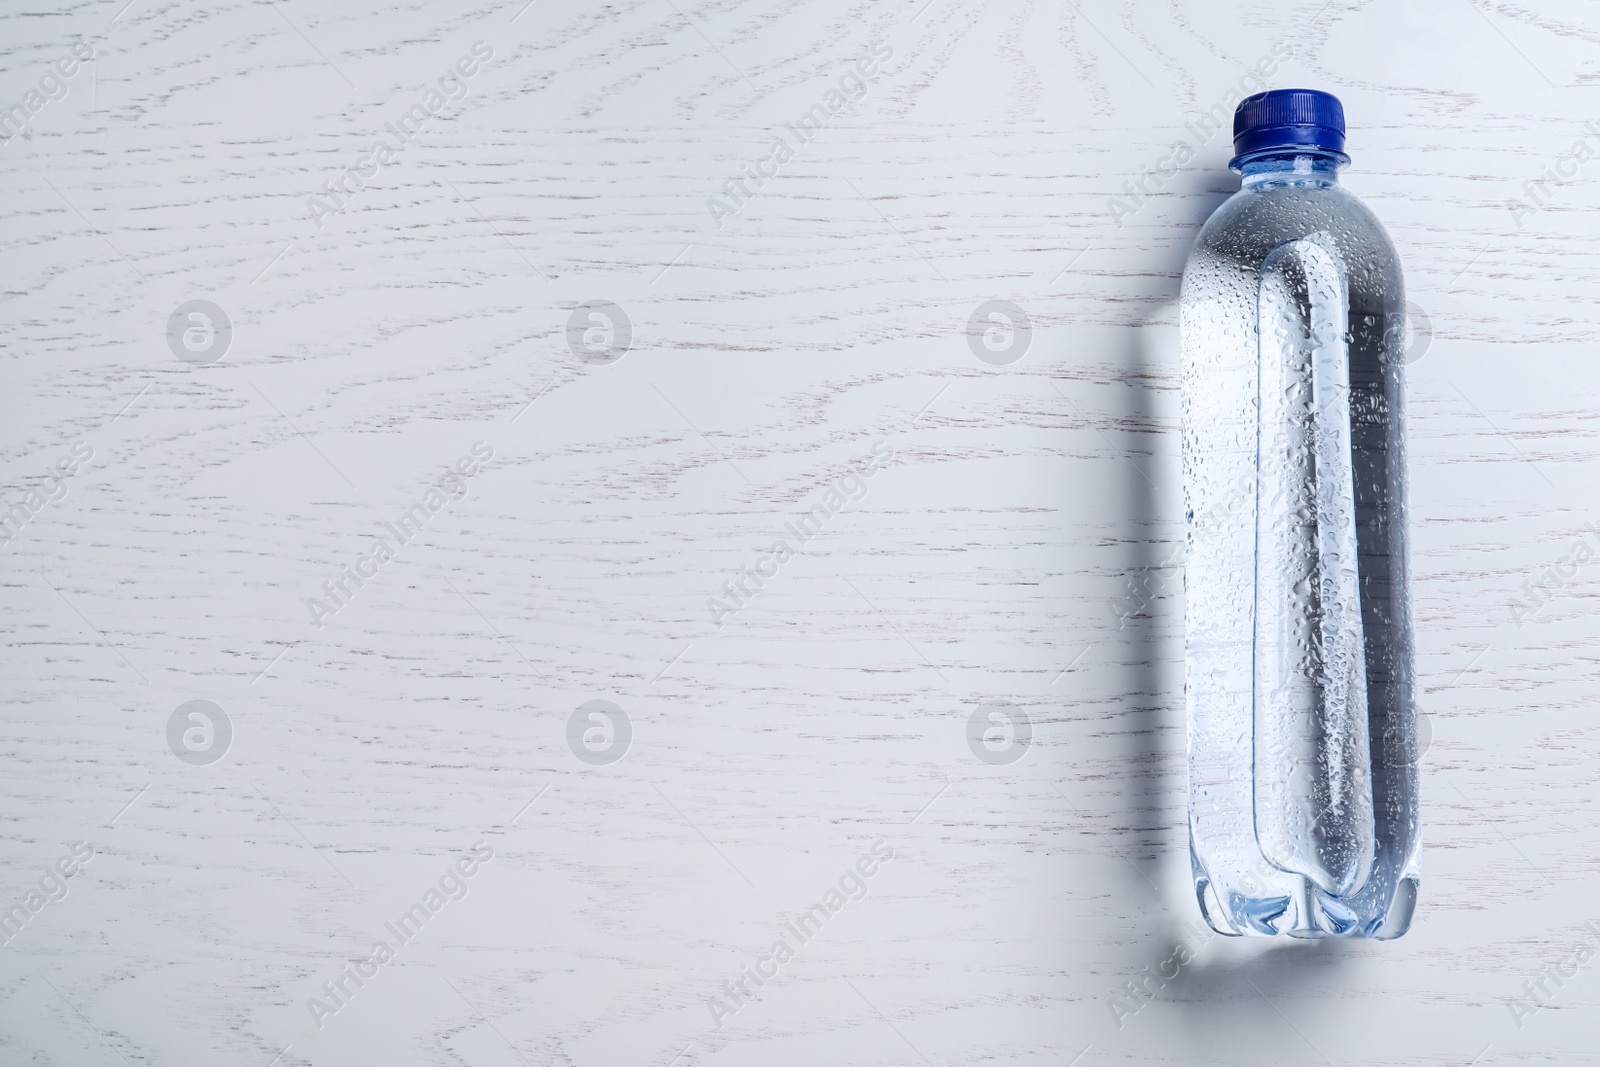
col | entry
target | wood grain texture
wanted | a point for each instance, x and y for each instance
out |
(1018, 545)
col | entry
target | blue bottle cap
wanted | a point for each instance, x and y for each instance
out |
(1288, 118)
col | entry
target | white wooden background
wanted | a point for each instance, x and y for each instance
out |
(1024, 508)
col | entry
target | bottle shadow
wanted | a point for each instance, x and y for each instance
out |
(1280, 969)
(1228, 999)
(1146, 614)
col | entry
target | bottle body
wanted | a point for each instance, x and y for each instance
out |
(1303, 814)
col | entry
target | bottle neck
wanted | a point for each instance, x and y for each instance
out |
(1290, 166)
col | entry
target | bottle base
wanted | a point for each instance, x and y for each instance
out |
(1308, 913)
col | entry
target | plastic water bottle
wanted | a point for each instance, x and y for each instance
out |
(1299, 682)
